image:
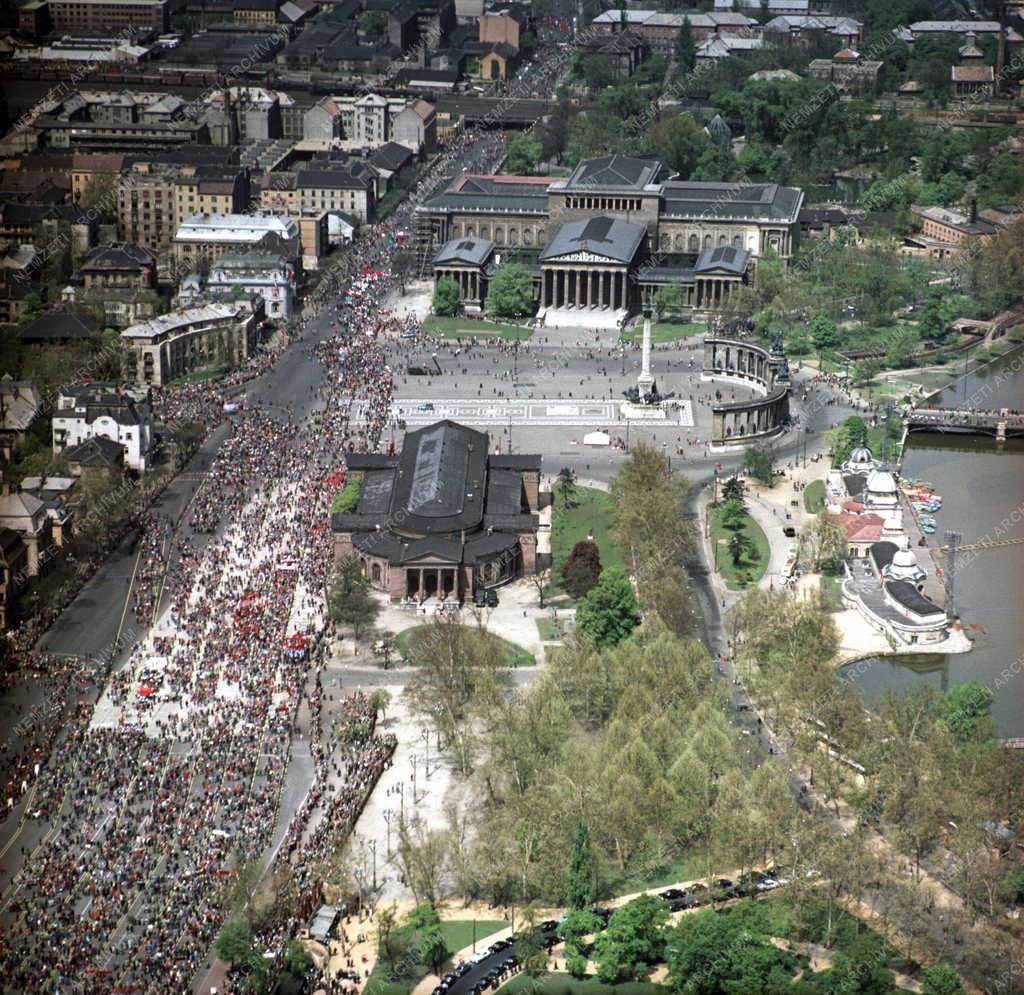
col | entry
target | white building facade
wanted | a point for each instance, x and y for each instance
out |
(88, 411)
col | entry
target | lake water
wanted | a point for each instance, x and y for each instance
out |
(982, 487)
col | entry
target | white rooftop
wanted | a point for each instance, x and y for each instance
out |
(239, 228)
(180, 319)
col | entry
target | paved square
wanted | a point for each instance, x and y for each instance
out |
(539, 413)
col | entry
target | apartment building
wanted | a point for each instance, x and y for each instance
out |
(101, 15)
(210, 236)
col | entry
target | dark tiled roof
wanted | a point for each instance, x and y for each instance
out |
(515, 461)
(443, 76)
(723, 257)
(469, 249)
(57, 325)
(504, 492)
(609, 237)
(485, 546)
(855, 484)
(620, 171)
(390, 156)
(731, 200)
(910, 598)
(332, 179)
(882, 553)
(97, 451)
(122, 256)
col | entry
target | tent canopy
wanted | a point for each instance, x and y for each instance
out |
(596, 439)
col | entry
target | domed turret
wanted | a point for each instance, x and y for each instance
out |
(860, 460)
(904, 564)
(880, 489)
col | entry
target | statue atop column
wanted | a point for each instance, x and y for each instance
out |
(643, 400)
(645, 388)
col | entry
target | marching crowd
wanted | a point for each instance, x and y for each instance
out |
(175, 773)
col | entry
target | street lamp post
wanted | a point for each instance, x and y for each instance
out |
(426, 751)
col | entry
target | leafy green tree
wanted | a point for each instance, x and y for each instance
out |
(714, 952)
(633, 941)
(522, 155)
(578, 924)
(530, 948)
(511, 292)
(936, 315)
(296, 959)
(715, 163)
(759, 462)
(732, 489)
(733, 515)
(434, 950)
(609, 612)
(1002, 182)
(582, 568)
(459, 667)
(686, 50)
(236, 944)
(575, 962)
(739, 545)
(446, 300)
(964, 708)
(623, 101)
(679, 141)
(349, 599)
(823, 331)
(850, 434)
(423, 916)
(598, 71)
(859, 970)
(380, 700)
(941, 979)
(822, 541)
(579, 878)
(565, 487)
(668, 300)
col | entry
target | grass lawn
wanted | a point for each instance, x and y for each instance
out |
(814, 496)
(458, 934)
(753, 564)
(563, 984)
(201, 376)
(549, 629)
(876, 443)
(515, 656)
(660, 877)
(830, 588)
(664, 331)
(464, 328)
(591, 513)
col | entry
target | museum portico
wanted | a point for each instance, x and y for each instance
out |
(608, 236)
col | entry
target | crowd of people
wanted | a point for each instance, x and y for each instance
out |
(175, 772)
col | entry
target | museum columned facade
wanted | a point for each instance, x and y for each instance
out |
(606, 238)
(443, 519)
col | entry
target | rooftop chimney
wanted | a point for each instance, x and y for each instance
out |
(974, 209)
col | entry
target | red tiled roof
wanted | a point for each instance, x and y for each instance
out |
(861, 528)
(973, 74)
